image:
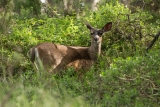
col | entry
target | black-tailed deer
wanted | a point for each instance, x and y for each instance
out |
(56, 57)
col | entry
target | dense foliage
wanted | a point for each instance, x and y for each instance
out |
(124, 75)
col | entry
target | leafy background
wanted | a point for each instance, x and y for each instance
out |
(124, 75)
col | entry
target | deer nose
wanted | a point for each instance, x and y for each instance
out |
(96, 39)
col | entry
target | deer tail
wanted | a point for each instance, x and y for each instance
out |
(31, 54)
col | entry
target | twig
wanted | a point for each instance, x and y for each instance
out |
(153, 41)
(126, 79)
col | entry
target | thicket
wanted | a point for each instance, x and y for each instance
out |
(125, 74)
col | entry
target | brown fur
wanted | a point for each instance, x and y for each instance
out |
(56, 57)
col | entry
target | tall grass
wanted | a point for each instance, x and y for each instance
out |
(122, 76)
(133, 81)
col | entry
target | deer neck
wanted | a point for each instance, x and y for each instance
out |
(94, 50)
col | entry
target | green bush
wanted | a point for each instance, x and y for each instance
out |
(124, 75)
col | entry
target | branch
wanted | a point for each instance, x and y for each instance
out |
(153, 41)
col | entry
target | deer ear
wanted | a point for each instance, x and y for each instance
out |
(89, 26)
(107, 27)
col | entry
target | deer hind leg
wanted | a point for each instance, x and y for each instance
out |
(56, 68)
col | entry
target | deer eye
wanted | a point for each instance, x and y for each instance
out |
(100, 33)
(92, 33)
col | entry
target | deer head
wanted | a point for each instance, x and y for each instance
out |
(96, 39)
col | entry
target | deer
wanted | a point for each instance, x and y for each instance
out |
(55, 57)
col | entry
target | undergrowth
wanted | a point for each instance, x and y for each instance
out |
(124, 75)
(133, 81)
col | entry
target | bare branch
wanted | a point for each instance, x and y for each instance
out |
(153, 41)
